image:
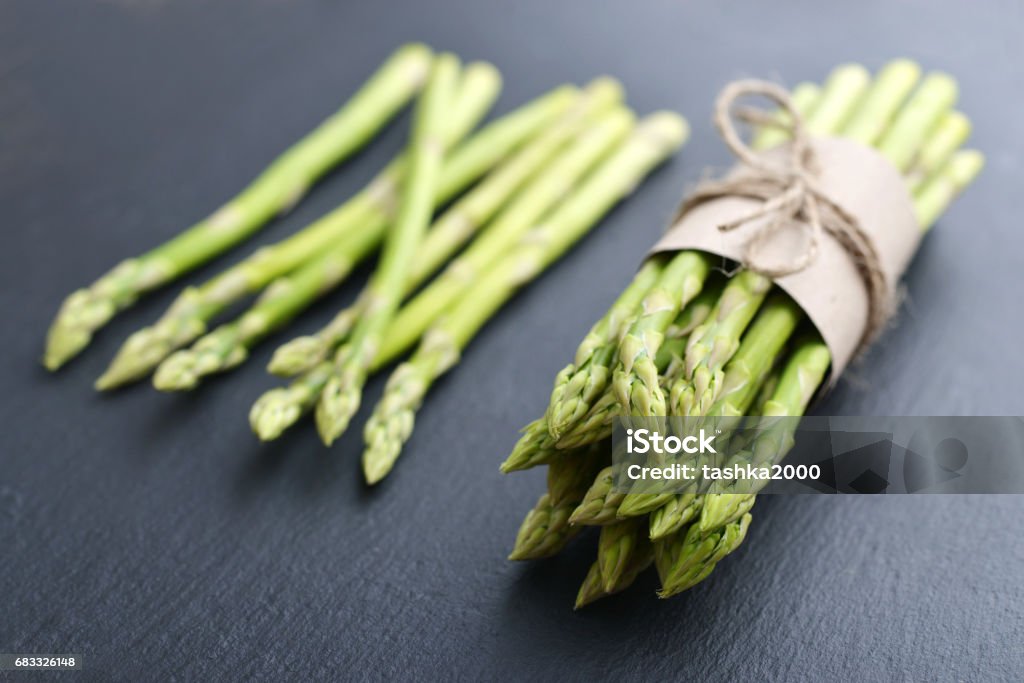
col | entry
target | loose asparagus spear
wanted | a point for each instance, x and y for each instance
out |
(368, 211)
(449, 232)
(274, 191)
(656, 138)
(426, 155)
(513, 221)
(458, 224)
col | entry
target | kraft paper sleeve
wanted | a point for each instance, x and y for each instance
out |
(829, 290)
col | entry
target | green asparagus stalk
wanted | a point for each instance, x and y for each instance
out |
(656, 138)
(512, 222)
(279, 408)
(635, 382)
(804, 97)
(951, 132)
(546, 529)
(619, 543)
(930, 102)
(600, 502)
(885, 97)
(340, 399)
(535, 447)
(582, 382)
(279, 187)
(228, 345)
(449, 232)
(935, 196)
(683, 563)
(458, 224)
(595, 587)
(368, 211)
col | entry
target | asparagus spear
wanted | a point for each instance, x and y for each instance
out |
(685, 559)
(368, 212)
(617, 549)
(340, 399)
(582, 382)
(885, 97)
(929, 103)
(951, 132)
(656, 138)
(595, 587)
(449, 232)
(458, 224)
(546, 529)
(635, 382)
(512, 222)
(804, 97)
(228, 345)
(274, 191)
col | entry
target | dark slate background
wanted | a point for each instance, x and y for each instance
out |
(154, 536)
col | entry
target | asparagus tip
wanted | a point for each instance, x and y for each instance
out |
(298, 355)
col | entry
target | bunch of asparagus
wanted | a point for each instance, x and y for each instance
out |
(520, 191)
(683, 339)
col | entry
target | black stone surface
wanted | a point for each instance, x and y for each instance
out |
(155, 537)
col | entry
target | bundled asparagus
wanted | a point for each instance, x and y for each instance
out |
(740, 357)
(274, 191)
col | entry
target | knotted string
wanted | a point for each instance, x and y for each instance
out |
(791, 196)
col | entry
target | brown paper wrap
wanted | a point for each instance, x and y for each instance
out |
(830, 290)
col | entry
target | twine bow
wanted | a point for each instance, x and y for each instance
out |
(791, 196)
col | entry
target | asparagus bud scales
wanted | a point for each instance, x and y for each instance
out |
(341, 396)
(275, 190)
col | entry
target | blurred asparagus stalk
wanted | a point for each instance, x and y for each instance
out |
(279, 187)
(229, 344)
(654, 140)
(279, 408)
(426, 155)
(459, 223)
(361, 220)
